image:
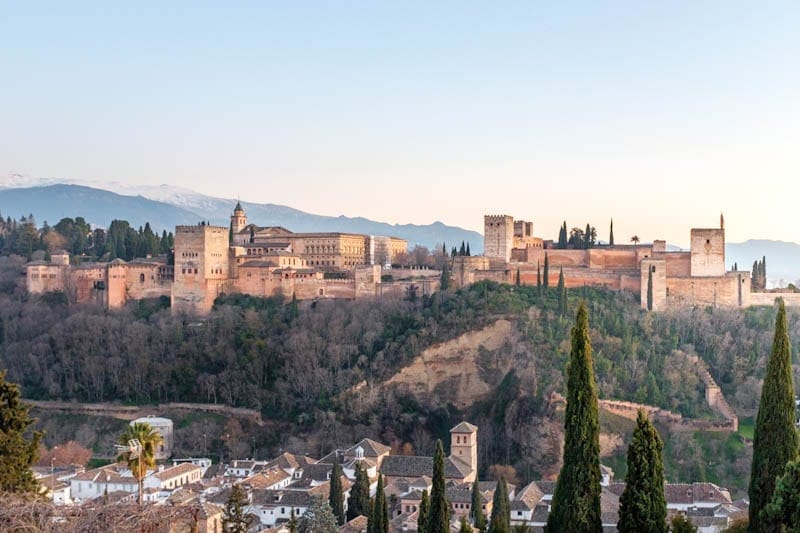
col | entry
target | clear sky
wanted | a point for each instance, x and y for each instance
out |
(658, 114)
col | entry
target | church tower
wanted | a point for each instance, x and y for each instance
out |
(464, 445)
(238, 219)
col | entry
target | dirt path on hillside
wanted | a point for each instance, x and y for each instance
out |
(132, 412)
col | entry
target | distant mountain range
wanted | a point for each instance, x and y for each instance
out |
(166, 206)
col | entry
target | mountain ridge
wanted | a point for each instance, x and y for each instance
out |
(54, 201)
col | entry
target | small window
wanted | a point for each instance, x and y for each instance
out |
(141, 278)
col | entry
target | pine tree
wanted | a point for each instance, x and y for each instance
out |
(476, 507)
(335, 494)
(562, 294)
(234, 518)
(358, 502)
(17, 453)
(318, 518)
(776, 441)
(518, 281)
(783, 512)
(424, 512)
(546, 277)
(379, 517)
(649, 289)
(501, 509)
(611, 234)
(642, 506)
(439, 517)
(576, 499)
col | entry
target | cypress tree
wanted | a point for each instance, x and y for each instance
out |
(378, 521)
(562, 236)
(468, 252)
(444, 280)
(463, 250)
(546, 279)
(649, 289)
(587, 237)
(17, 453)
(611, 234)
(465, 527)
(518, 281)
(335, 494)
(358, 502)
(576, 499)
(476, 507)
(775, 442)
(439, 516)
(642, 506)
(501, 509)
(424, 512)
(783, 512)
(562, 294)
(538, 279)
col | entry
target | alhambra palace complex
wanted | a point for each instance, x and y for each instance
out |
(268, 261)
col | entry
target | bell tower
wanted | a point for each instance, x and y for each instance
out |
(464, 445)
(238, 219)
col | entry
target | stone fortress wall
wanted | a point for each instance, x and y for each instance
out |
(694, 277)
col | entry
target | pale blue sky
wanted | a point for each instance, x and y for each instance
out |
(659, 114)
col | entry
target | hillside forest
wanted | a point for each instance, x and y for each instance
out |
(316, 371)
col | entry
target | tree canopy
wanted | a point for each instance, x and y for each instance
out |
(18, 445)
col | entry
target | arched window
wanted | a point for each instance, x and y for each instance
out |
(141, 278)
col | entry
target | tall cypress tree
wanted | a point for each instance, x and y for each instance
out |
(775, 442)
(468, 252)
(378, 521)
(538, 279)
(784, 509)
(234, 518)
(518, 281)
(335, 494)
(642, 506)
(476, 507)
(649, 289)
(424, 512)
(17, 453)
(439, 517)
(611, 234)
(444, 280)
(562, 294)
(501, 509)
(562, 236)
(587, 237)
(546, 278)
(576, 499)
(358, 502)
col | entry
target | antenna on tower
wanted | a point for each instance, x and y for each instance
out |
(721, 221)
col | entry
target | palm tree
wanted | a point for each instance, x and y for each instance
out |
(635, 239)
(138, 448)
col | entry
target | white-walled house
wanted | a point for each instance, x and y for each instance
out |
(104, 480)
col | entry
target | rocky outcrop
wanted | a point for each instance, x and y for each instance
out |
(462, 370)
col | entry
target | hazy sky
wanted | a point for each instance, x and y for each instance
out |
(658, 114)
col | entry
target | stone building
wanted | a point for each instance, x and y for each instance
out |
(244, 258)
